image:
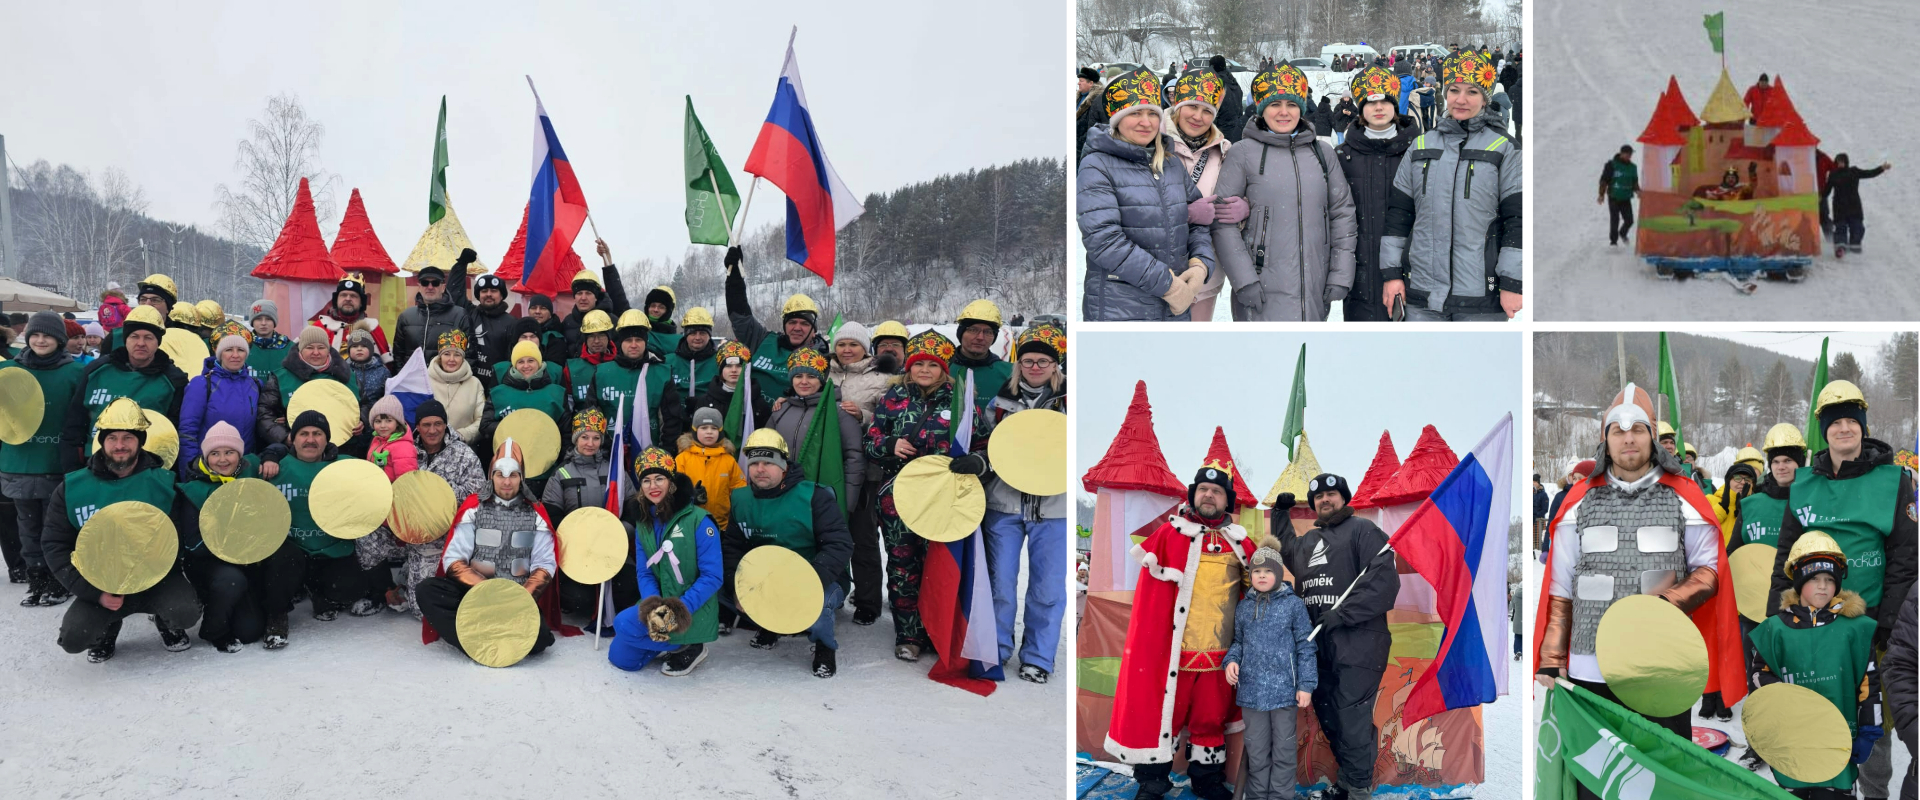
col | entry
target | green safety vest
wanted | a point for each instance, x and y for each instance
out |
(770, 367)
(680, 531)
(1858, 514)
(613, 386)
(1626, 177)
(1831, 660)
(662, 342)
(87, 493)
(295, 481)
(40, 455)
(289, 383)
(692, 376)
(199, 489)
(580, 382)
(262, 362)
(987, 380)
(786, 520)
(1760, 519)
(110, 383)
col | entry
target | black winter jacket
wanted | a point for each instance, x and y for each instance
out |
(1370, 165)
(1324, 562)
(1899, 678)
(1843, 190)
(611, 298)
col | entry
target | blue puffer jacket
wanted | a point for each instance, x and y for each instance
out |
(220, 395)
(1135, 229)
(1271, 646)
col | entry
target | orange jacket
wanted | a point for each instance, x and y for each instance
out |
(714, 469)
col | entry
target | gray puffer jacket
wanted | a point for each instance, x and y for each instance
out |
(1134, 225)
(1301, 210)
(579, 481)
(794, 418)
(1453, 223)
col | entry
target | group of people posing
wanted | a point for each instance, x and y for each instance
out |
(787, 436)
(1394, 222)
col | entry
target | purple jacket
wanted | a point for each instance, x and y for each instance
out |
(218, 396)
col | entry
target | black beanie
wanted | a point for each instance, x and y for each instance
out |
(1798, 454)
(430, 408)
(1329, 482)
(1218, 477)
(1219, 64)
(1840, 411)
(525, 325)
(540, 301)
(49, 323)
(1817, 564)
(311, 419)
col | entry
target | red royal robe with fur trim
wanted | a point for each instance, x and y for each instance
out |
(549, 599)
(338, 329)
(1717, 618)
(1140, 730)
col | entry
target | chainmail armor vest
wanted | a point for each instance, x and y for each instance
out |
(503, 540)
(1629, 544)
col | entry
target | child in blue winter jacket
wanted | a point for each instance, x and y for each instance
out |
(1272, 663)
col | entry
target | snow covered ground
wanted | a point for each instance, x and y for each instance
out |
(1600, 67)
(358, 707)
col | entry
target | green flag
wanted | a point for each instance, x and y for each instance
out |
(1816, 438)
(437, 194)
(1716, 23)
(820, 458)
(1616, 754)
(833, 331)
(1296, 404)
(1670, 387)
(711, 199)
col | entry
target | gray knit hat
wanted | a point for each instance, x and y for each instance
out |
(49, 323)
(708, 416)
(1267, 556)
(264, 308)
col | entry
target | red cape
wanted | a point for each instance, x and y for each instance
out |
(1717, 620)
(549, 599)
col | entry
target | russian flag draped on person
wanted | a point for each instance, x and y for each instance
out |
(789, 154)
(954, 591)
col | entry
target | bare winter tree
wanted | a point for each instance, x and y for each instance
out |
(281, 147)
(76, 230)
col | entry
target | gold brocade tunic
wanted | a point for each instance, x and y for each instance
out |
(1216, 589)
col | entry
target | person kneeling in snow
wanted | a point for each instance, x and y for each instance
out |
(678, 614)
(779, 507)
(500, 532)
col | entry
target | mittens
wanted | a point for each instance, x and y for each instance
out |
(733, 257)
(969, 464)
(1179, 296)
(467, 256)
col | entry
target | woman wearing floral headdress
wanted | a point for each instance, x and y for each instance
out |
(1015, 518)
(1202, 149)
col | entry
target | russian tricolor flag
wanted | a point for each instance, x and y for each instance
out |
(954, 592)
(410, 384)
(1457, 541)
(789, 154)
(556, 208)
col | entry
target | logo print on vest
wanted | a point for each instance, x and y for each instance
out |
(1319, 558)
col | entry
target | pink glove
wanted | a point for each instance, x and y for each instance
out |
(1200, 212)
(1233, 212)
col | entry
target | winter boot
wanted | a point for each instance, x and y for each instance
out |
(683, 660)
(324, 611)
(174, 640)
(16, 574)
(1209, 781)
(51, 592)
(1033, 674)
(824, 665)
(765, 640)
(276, 637)
(364, 607)
(1752, 760)
(865, 616)
(907, 652)
(1156, 781)
(728, 618)
(1334, 792)
(36, 585)
(397, 599)
(231, 646)
(103, 649)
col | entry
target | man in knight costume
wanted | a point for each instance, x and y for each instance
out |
(1636, 526)
(1171, 677)
(501, 532)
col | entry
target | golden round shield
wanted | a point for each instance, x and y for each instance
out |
(1651, 655)
(189, 352)
(163, 439)
(938, 505)
(423, 507)
(350, 498)
(593, 545)
(334, 400)
(245, 521)
(498, 623)
(1799, 733)
(22, 405)
(1029, 451)
(126, 547)
(778, 589)
(1752, 568)
(537, 435)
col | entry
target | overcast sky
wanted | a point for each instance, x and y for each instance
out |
(900, 92)
(1358, 384)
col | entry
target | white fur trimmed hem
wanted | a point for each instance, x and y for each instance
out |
(1140, 755)
(1152, 563)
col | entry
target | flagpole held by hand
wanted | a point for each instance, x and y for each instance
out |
(598, 609)
(741, 229)
(1343, 595)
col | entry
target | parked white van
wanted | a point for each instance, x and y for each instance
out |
(1367, 52)
(1407, 51)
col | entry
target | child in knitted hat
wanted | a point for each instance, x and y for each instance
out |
(392, 449)
(1272, 662)
(706, 457)
(363, 359)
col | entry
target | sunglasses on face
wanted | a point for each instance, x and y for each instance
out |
(430, 284)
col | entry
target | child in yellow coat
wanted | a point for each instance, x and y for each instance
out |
(706, 457)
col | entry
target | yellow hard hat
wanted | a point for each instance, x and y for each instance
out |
(596, 321)
(588, 276)
(163, 284)
(697, 317)
(798, 303)
(1690, 451)
(767, 438)
(1785, 434)
(672, 299)
(633, 318)
(211, 313)
(979, 311)
(162, 439)
(184, 313)
(121, 415)
(145, 315)
(892, 329)
(1666, 430)
(1814, 543)
(1748, 455)
(1836, 392)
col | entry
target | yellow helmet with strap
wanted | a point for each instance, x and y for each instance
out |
(159, 284)
(122, 415)
(586, 276)
(184, 313)
(1752, 457)
(979, 311)
(632, 318)
(798, 303)
(210, 313)
(1812, 543)
(891, 329)
(1666, 430)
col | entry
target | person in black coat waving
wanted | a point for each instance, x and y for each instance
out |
(1370, 154)
(1345, 574)
(1843, 191)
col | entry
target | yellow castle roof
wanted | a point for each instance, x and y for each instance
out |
(1724, 105)
(1293, 480)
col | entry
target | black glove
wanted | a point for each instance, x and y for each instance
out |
(1881, 637)
(699, 495)
(467, 256)
(1284, 502)
(969, 464)
(733, 257)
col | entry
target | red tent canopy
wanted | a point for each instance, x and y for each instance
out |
(1134, 460)
(514, 261)
(1423, 471)
(356, 247)
(1218, 451)
(299, 254)
(1670, 116)
(1385, 463)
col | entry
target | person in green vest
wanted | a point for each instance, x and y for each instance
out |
(525, 329)
(1855, 493)
(978, 327)
(691, 361)
(231, 595)
(157, 292)
(596, 348)
(1760, 515)
(268, 346)
(634, 361)
(1619, 184)
(678, 613)
(1822, 639)
(528, 386)
(311, 359)
(118, 471)
(32, 470)
(330, 570)
(138, 370)
(779, 507)
(799, 327)
(662, 335)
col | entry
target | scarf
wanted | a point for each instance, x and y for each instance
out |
(200, 463)
(272, 341)
(35, 361)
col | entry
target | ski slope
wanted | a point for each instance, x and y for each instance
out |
(1598, 70)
